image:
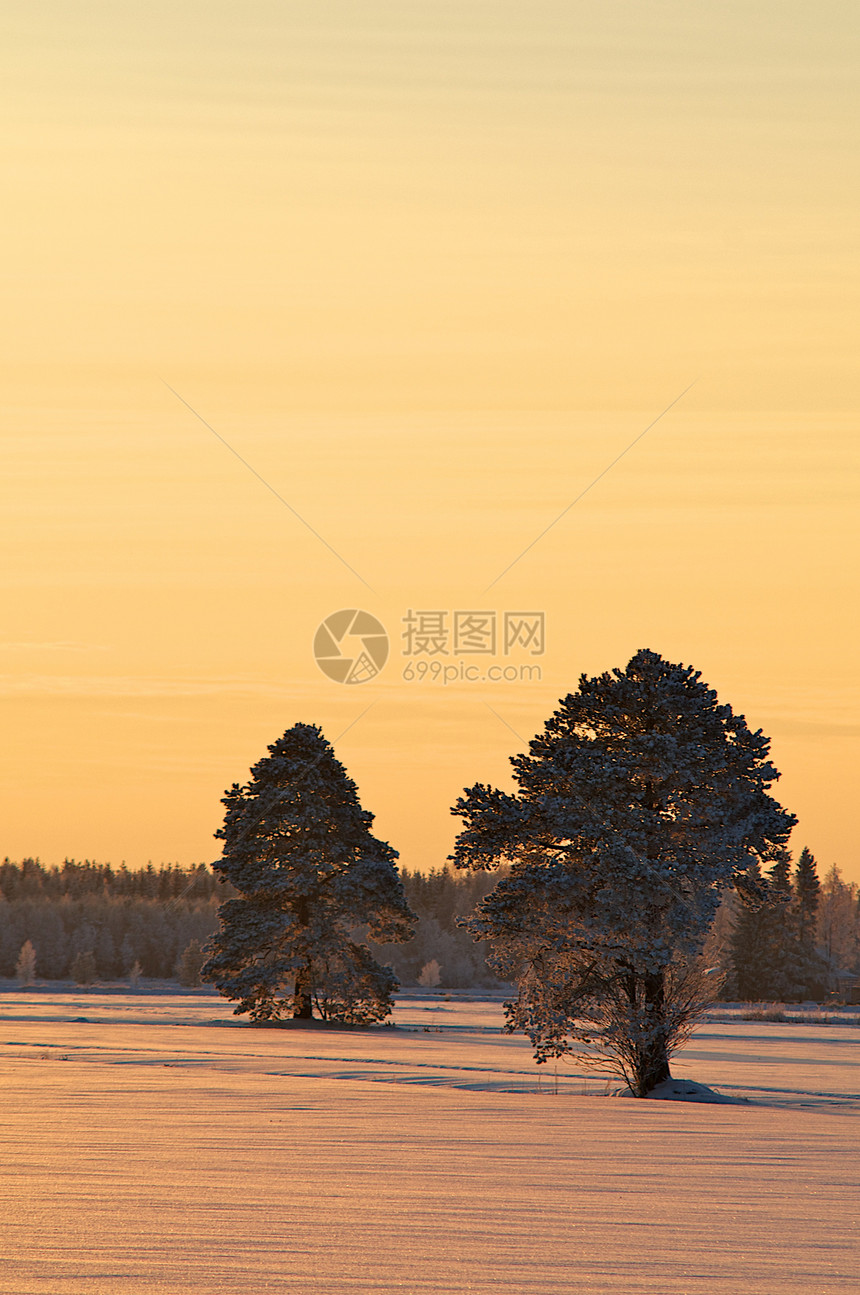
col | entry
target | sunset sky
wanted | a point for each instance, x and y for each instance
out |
(413, 275)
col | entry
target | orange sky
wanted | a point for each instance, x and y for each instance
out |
(428, 270)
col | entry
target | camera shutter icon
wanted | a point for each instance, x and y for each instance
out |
(351, 646)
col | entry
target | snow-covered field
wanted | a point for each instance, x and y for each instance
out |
(157, 1143)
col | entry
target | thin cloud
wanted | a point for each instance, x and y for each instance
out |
(65, 685)
(51, 645)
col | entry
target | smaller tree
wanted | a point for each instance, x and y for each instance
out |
(25, 967)
(299, 850)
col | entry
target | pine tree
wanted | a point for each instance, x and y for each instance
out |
(299, 851)
(807, 891)
(807, 895)
(639, 804)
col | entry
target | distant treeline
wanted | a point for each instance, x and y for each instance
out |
(31, 880)
(150, 917)
(122, 917)
(439, 898)
(802, 943)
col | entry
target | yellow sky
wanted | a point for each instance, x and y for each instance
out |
(429, 268)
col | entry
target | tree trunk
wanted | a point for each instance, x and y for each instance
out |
(652, 1061)
(302, 1002)
(303, 1009)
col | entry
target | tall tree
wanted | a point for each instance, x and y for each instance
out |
(299, 850)
(643, 799)
(807, 896)
(807, 892)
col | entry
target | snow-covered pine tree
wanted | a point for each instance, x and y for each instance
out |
(299, 850)
(643, 799)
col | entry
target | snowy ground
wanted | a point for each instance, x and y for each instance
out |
(155, 1143)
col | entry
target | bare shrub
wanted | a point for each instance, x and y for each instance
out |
(764, 1013)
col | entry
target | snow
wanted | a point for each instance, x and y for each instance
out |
(156, 1143)
(682, 1090)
